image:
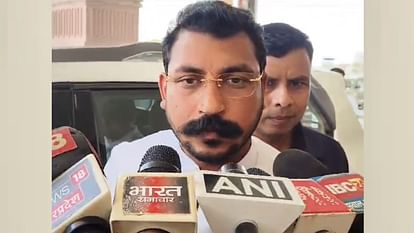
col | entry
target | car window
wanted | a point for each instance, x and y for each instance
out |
(62, 114)
(126, 115)
(313, 120)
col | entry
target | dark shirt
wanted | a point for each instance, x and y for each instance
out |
(321, 146)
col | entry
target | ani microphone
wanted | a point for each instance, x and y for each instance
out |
(237, 202)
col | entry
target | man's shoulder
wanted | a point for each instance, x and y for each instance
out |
(136, 149)
(165, 137)
(260, 145)
(326, 149)
(263, 154)
(313, 136)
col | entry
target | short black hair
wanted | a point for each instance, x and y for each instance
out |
(219, 20)
(281, 38)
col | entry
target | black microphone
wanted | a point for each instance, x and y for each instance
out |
(81, 200)
(88, 224)
(298, 164)
(159, 198)
(257, 171)
(160, 158)
(69, 146)
(233, 168)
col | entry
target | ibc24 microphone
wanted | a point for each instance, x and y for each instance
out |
(348, 187)
(68, 147)
(298, 164)
(81, 200)
(235, 203)
(157, 199)
(324, 212)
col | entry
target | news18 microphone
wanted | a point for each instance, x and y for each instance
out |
(237, 202)
(81, 200)
(298, 164)
(69, 146)
(157, 199)
(348, 187)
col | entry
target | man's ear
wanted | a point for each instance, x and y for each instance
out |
(162, 86)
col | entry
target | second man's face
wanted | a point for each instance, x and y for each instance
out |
(213, 121)
(287, 93)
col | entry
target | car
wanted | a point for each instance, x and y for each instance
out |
(87, 80)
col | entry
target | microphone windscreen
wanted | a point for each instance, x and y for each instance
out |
(160, 158)
(233, 168)
(69, 146)
(89, 224)
(257, 171)
(298, 164)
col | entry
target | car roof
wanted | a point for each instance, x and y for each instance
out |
(143, 71)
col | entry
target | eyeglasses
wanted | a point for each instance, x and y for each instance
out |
(232, 85)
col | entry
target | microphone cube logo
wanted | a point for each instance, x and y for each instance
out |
(347, 187)
(62, 141)
(317, 199)
(73, 191)
(155, 195)
(246, 186)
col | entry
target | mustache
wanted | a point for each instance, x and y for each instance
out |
(213, 123)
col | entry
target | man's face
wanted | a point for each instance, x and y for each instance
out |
(286, 93)
(211, 126)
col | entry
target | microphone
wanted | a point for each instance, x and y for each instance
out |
(241, 203)
(257, 171)
(160, 158)
(233, 168)
(81, 200)
(324, 212)
(348, 187)
(298, 164)
(157, 199)
(69, 146)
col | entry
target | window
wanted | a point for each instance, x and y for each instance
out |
(126, 115)
(62, 106)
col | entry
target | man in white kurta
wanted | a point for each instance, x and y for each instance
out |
(212, 92)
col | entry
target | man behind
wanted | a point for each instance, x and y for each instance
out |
(288, 66)
(212, 93)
